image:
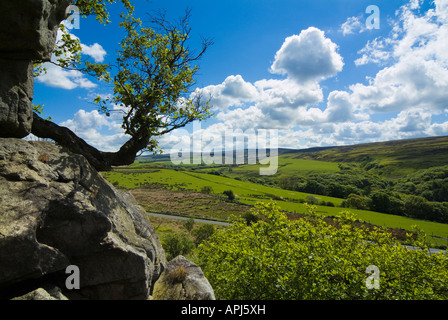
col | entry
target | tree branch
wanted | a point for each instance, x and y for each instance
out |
(101, 161)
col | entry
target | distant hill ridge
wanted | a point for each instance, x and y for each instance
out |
(416, 147)
(396, 156)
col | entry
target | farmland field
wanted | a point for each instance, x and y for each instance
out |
(139, 177)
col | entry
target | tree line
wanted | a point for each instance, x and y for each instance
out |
(420, 195)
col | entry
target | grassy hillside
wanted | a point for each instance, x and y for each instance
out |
(392, 158)
(392, 171)
(141, 176)
(246, 192)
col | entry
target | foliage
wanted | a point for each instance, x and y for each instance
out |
(355, 201)
(152, 77)
(98, 8)
(431, 184)
(250, 194)
(275, 258)
(311, 199)
(67, 51)
(207, 189)
(189, 224)
(176, 244)
(229, 194)
(366, 191)
(203, 233)
(250, 217)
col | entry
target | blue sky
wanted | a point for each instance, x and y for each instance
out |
(310, 69)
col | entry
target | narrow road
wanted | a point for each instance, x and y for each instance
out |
(160, 215)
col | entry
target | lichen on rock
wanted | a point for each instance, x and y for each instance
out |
(62, 212)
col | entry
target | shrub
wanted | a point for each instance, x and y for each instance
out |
(177, 275)
(355, 201)
(189, 224)
(229, 194)
(175, 244)
(207, 189)
(276, 258)
(250, 217)
(312, 199)
(203, 233)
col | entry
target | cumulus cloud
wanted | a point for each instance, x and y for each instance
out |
(309, 56)
(353, 25)
(417, 76)
(96, 51)
(242, 118)
(65, 79)
(102, 132)
(305, 60)
(234, 91)
(71, 79)
(409, 92)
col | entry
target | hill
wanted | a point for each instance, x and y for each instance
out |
(391, 158)
(395, 183)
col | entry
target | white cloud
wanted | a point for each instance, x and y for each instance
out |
(340, 108)
(418, 75)
(305, 60)
(408, 91)
(242, 118)
(71, 79)
(234, 91)
(287, 93)
(96, 51)
(96, 129)
(64, 79)
(375, 51)
(353, 25)
(309, 56)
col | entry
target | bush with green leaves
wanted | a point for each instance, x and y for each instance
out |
(356, 201)
(189, 224)
(207, 189)
(229, 194)
(176, 244)
(276, 258)
(203, 233)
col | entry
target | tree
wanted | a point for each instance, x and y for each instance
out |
(203, 233)
(152, 79)
(314, 187)
(176, 244)
(380, 201)
(310, 199)
(207, 189)
(189, 224)
(229, 194)
(276, 258)
(356, 202)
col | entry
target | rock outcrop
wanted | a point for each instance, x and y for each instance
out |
(182, 280)
(27, 32)
(57, 211)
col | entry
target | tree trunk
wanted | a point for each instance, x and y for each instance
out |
(101, 161)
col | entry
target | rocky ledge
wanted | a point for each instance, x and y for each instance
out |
(56, 211)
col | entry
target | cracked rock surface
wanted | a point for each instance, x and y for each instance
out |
(56, 211)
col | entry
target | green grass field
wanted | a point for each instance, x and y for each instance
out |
(288, 165)
(393, 158)
(250, 193)
(245, 192)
